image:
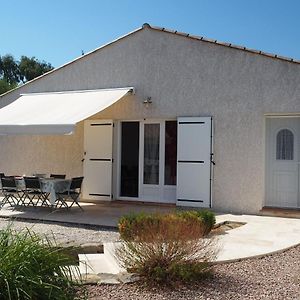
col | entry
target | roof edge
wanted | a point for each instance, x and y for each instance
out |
(163, 29)
(224, 44)
(74, 60)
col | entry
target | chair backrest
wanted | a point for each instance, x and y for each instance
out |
(32, 183)
(8, 182)
(2, 175)
(76, 183)
(58, 176)
(39, 175)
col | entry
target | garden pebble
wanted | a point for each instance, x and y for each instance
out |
(65, 233)
(275, 277)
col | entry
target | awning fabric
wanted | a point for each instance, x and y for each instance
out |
(55, 113)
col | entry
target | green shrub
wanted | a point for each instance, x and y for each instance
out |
(130, 225)
(165, 248)
(188, 271)
(179, 272)
(32, 268)
(207, 217)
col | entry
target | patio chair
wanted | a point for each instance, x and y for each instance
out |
(1, 175)
(58, 176)
(72, 193)
(10, 191)
(33, 191)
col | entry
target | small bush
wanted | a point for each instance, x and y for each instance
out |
(188, 271)
(166, 248)
(32, 268)
(207, 218)
(130, 225)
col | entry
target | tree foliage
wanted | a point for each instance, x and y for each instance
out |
(14, 73)
(5, 86)
(31, 68)
(9, 69)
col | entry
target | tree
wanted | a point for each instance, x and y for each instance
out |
(5, 86)
(31, 68)
(14, 73)
(9, 69)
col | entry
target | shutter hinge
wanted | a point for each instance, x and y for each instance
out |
(211, 158)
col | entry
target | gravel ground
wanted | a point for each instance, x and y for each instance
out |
(64, 233)
(272, 277)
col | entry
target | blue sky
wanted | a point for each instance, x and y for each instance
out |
(57, 30)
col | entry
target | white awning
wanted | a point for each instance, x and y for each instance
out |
(55, 113)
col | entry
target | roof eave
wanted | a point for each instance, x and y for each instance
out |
(74, 60)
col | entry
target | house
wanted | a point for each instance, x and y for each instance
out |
(162, 116)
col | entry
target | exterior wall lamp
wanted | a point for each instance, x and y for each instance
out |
(147, 101)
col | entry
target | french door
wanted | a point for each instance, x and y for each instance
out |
(152, 157)
(148, 160)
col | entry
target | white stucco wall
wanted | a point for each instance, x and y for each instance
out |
(184, 77)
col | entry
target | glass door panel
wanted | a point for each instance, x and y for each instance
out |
(151, 153)
(170, 152)
(130, 159)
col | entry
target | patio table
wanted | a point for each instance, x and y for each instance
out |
(20, 183)
(54, 186)
(48, 185)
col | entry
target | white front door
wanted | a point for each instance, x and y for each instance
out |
(282, 162)
(97, 166)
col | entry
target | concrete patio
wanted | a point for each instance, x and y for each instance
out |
(257, 237)
(98, 214)
(260, 234)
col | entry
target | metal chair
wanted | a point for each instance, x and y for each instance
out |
(1, 175)
(58, 176)
(33, 191)
(10, 191)
(72, 193)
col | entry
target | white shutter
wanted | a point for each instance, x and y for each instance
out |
(194, 161)
(97, 167)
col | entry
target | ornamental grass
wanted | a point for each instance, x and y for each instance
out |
(34, 268)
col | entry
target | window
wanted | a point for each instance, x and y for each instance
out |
(151, 153)
(130, 159)
(285, 145)
(170, 152)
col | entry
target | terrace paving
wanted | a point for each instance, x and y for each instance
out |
(259, 236)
